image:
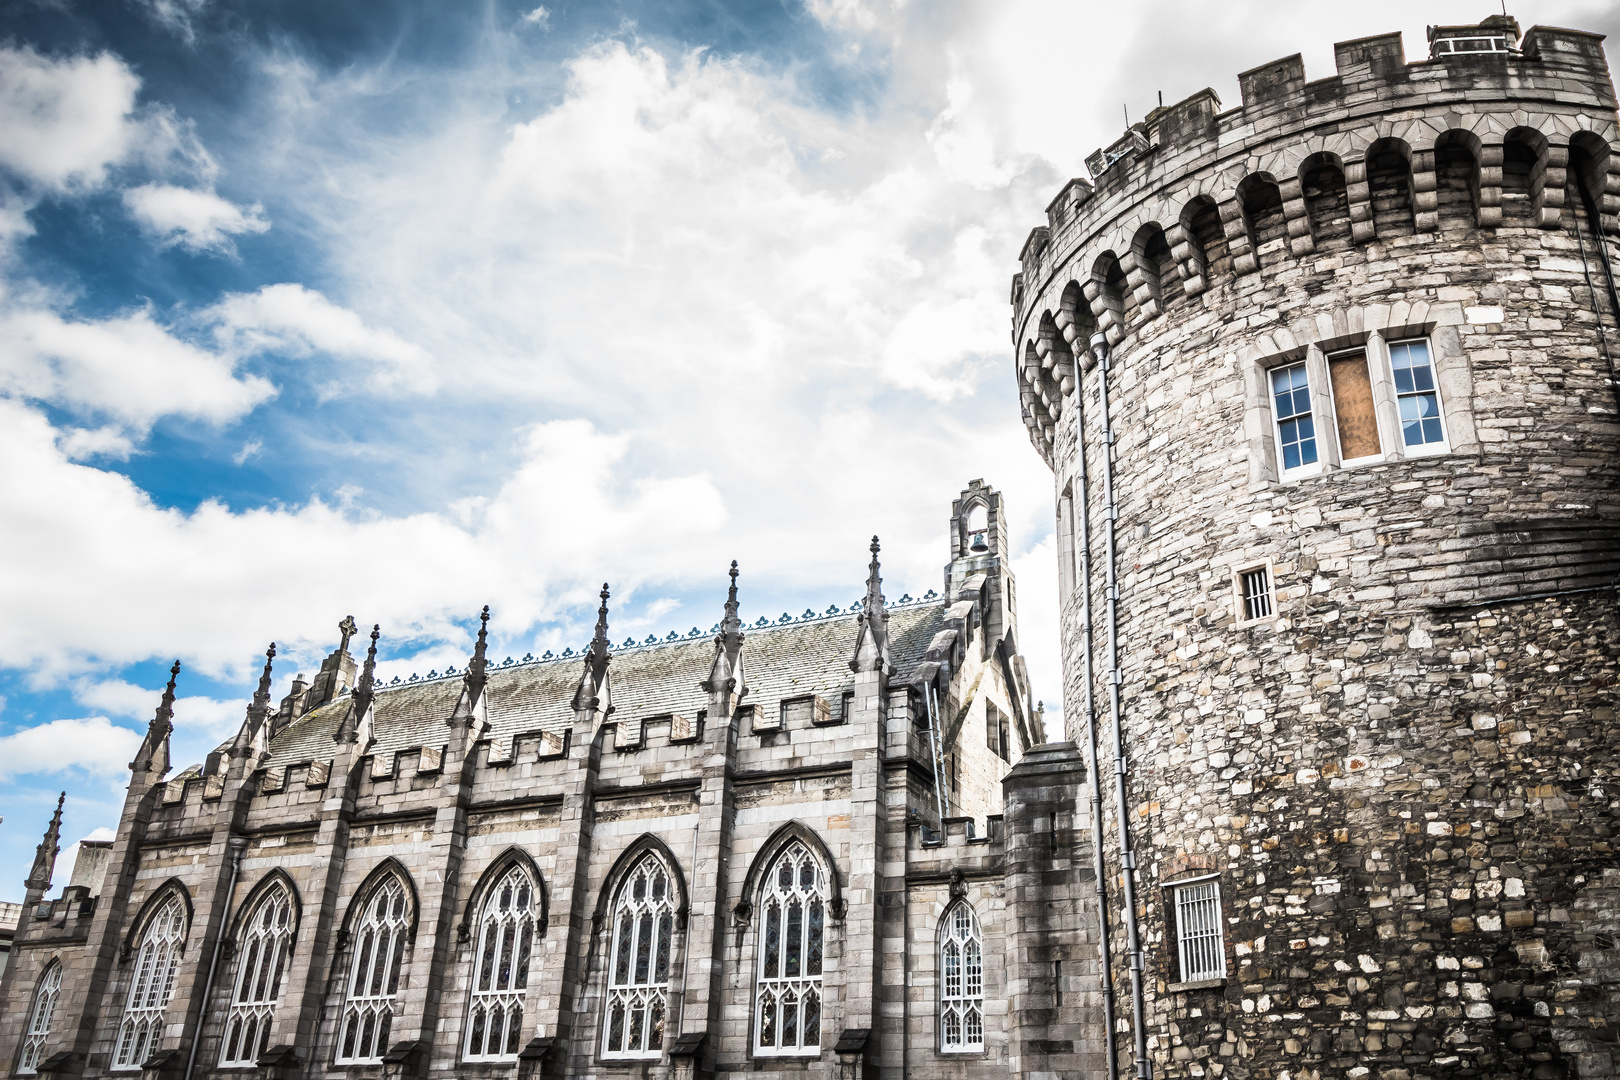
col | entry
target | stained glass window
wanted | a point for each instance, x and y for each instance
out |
(638, 967)
(501, 969)
(156, 965)
(374, 974)
(793, 905)
(39, 1021)
(262, 957)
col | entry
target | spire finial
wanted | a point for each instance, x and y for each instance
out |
(261, 697)
(599, 641)
(731, 624)
(39, 878)
(478, 666)
(591, 693)
(874, 581)
(366, 688)
(163, 719)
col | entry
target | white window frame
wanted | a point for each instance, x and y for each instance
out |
(152, 985)
(39, 1019)
(775, 991)
(961, 981)
(1239, 597)
(637, 999)
(501, 962)
(1370, 357)
(1194, 947)
(369, 990)
(1422, 449)
(262, 959)
(1310, 468)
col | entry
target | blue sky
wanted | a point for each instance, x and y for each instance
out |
(399, 309)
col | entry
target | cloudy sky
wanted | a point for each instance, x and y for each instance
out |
(397, 309)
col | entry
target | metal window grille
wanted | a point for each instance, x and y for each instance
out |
(961, 965)
(501, 970)
(787, 1001)
(638, 967)
(1416, 394)
(156, 966)
(373, 982)
(39, 1021)
(1256, 593)
(1198, 931)
(1296, 428)
(264, 952)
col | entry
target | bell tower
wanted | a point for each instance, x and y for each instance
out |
(978, 570)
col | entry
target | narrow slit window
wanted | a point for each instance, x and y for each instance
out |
(1256, 588)
(1296, 427)
(1353, 406)
(1198, 931)
(1417, 395)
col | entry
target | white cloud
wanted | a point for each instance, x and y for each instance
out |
(175, 15)
(197, 220)
(65, 121)
(124, 699)
(93, 744)
(249, 451)
(80, 444)
(540, 16)
(127, 368)
(289, 318)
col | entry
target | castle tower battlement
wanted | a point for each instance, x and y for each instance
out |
(1327, 386)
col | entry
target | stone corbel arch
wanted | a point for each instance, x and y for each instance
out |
(792, 831)
(627, 860)
(512, 856)
(155, 900)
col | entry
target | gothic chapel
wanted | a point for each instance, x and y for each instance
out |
(829, 844)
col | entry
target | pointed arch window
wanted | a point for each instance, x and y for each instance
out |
(264, 951)
(961, 981)
(793, 921)
(39, 1020)
(156, 965)
(501, 969)
(373, 982)
(638, 967)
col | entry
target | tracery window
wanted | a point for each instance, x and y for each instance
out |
(961, 969)
(264, 950)
(501, 969)
(373, 982)
(39, 1021)
(638, 969)
(793, 904)
(156, 965)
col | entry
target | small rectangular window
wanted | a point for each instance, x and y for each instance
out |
(1353, 406)
(1418, 397)
(1296, 428)
(1198, 931)
(847, 709)
(1255, 586)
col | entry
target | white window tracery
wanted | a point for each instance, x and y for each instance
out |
(501, 969)
(264, 951)
(792, 939)
(39, 1020)
(373, 982)
(638, 967)
(156, 965)
(961, 970)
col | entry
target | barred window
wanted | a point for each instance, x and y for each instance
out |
(39, 1021)
(1255, 586)
(264, 952)
(501, 969)
(961, 982)
(153, 985)
(638, 967)
(1198, 930)
(373, 982)
(1296, 428)
(787, 1003)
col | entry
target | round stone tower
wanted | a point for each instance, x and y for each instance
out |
(1340, 475)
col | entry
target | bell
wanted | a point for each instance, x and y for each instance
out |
(978, 544)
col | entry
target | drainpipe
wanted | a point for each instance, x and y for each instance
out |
(1093, 777)
(1127, 857)
(1608, 271)
(236, 845)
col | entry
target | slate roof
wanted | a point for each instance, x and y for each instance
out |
(780, 661)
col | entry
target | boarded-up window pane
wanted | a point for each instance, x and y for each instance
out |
(1353, 406)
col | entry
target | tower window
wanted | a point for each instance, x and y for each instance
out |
(1422, 427)
(1296, 427)
(1254, 588)
(1200, 947)
(1353, 409)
